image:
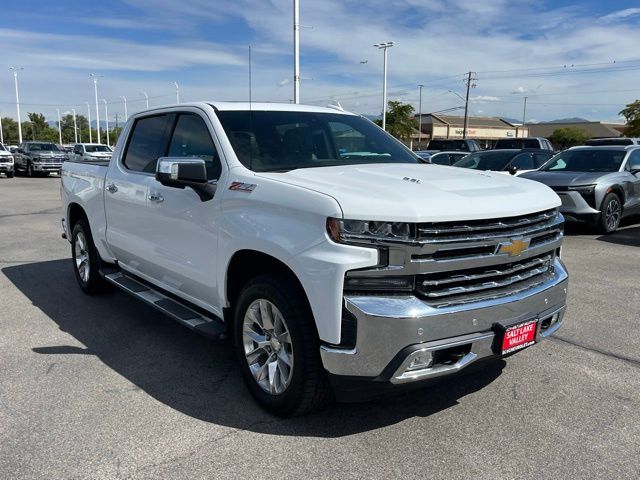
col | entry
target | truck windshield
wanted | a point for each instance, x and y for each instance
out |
(586, 161)
(281, 141)
(2, 148)
(96, 148)
(492, 160)
(44, 147)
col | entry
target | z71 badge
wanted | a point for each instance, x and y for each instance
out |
(243, 187)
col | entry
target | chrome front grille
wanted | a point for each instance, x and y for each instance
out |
(480, 230)
(445, 288)
(450, 263)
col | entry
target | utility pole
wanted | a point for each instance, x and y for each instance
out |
(1, 132)
(15, 79)
(106, 119)
(75, 126)
(469, 81)
(420, 119)
(89, 119)
(95, 89)
(59, 127)
(296, 51)
(384, 47)
(524, 116)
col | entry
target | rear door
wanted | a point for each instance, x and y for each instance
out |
(126, 190)
(182, 229)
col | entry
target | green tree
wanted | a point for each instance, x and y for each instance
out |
(10, 131)
(39, 129)
(632, 115)
(569, 137)
(400, 120)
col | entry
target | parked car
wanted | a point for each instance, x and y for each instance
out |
(600, 185)
(6, 162)
(601, 142)
(423, 154)
(90, 152)
(539, 143)
(258, 220)
(39, 158)
(452, 145)
(514, 162)
(447, 158)
(66, 149)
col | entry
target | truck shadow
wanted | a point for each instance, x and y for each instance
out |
(196, 375)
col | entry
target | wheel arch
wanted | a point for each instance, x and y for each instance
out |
(618, 190)
(75, 212)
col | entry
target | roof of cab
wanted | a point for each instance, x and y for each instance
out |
(275, 107)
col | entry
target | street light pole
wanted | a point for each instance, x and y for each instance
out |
(89, 119)
(106, 119)
(1, 132)
(177, 92)
(384, 47)
(59, 128)
(75, 126)
(296, 51)
(95, 89)
(146, 98)
(524, 116)
(421, 86)
(15, 79)
(126, 116)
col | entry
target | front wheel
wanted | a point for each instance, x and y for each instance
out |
(30, 173)
(610, 214)
(278, 347)
(10, 174)
(86, 260)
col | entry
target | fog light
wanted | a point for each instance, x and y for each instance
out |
(421, 361)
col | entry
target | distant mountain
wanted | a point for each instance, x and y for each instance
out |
(568, 120)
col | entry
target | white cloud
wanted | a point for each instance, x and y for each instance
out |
(484, 99)
(520, 90)
(621, 14)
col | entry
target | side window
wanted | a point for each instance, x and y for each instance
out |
(540, 159)
(634, 160)
(191, 138)
(523, 161)
(147, 143)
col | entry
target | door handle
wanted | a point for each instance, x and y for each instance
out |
(155, 197)
(111, 188)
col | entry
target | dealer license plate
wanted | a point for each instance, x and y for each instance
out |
(519, 336)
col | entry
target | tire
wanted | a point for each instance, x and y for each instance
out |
(610, 214)
(30, 172)
(10, 174)
(294, 387)
(86, 260)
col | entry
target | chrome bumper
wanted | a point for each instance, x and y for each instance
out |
(391, 330)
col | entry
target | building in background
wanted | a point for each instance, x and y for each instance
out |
(595, 129)
(484, 130)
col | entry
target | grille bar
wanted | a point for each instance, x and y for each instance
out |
(501, 224)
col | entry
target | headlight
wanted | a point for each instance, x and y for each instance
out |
(368, 231)
(583, 189)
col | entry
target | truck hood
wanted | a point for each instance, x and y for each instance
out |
(566, 179)
(422, 193)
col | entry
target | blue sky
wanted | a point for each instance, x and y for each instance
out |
(570, 58)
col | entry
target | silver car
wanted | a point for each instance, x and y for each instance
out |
(600, 185)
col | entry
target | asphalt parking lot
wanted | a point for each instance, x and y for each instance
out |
(106, 387)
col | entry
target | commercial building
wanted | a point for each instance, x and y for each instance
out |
(485, 130)
(594, 129)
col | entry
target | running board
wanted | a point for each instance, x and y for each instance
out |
(209, 326)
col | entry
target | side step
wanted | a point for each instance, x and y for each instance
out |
(209, 326)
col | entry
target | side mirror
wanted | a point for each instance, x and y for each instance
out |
(513, 170)
(180, 172)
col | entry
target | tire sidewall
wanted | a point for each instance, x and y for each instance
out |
(95, 283)
(603, 211)
(287, 401)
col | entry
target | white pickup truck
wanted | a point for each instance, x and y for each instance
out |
(90, 152)
(340, 265)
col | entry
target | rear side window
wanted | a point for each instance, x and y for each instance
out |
(540, 159)
(523, 161)
(191, 138)
(147, 143)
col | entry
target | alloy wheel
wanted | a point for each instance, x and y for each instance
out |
(82, 256)
(267, 346)
(612, 214)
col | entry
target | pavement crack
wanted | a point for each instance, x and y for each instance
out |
(48, 211)
(624, 358)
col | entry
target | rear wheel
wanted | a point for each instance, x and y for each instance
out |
(278, 347)
(610, 213)
(86, 260)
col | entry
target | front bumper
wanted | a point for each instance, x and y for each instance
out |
(392, 330)
(575, 207)
(46, 167)
(6, 167)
